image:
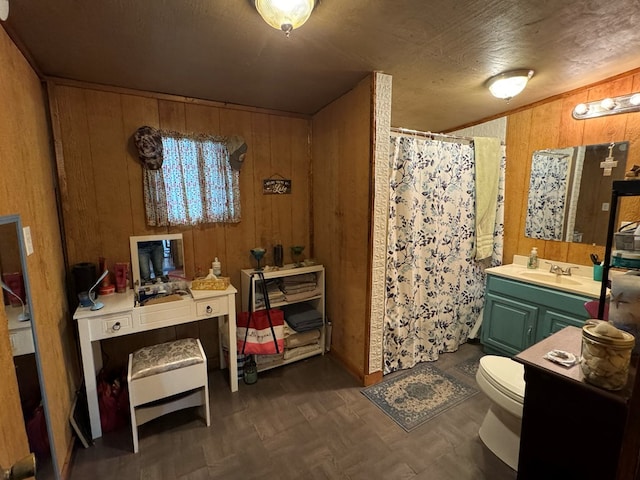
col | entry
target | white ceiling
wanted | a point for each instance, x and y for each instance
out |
(439, 52)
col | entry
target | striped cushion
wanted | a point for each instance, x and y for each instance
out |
(165, 356)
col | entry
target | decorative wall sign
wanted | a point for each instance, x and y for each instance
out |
(276, 186)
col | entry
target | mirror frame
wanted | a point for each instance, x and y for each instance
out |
(133, 244)
(15, 219)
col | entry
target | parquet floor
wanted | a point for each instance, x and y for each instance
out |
(307, 420)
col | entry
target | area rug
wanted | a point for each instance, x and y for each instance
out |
(413, 397)
(470, 366)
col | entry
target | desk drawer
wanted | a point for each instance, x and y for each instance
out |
(110, 326)
(212, 307)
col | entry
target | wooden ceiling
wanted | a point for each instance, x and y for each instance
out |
(439, 52)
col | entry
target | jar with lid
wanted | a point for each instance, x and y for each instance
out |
(606, 354)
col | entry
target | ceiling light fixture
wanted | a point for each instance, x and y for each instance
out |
(509, 84)
(285, 15)
(607, 106)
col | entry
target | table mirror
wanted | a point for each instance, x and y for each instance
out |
(156, 258)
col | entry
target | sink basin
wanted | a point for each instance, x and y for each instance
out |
(551, 278)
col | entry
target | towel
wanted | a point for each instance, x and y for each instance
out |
(487, 157)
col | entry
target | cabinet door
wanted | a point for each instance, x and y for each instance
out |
(552, 321)
(508, 326)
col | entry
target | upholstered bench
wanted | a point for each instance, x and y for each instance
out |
(164, 378)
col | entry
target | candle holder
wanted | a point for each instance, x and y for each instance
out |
(296, 251)
(258, 253)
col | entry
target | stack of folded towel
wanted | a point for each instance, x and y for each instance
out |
(274, 292)
(299, 287)
(302, 317)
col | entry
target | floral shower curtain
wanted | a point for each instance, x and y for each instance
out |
(548, 196)
(435, 287)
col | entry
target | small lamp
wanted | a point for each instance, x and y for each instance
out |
(96, 305)
(509, 84)
(24, 316)
(285, 15)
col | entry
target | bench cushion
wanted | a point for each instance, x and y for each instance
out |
(163, 357)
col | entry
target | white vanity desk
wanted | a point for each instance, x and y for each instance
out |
(120, 317)
(20, 333)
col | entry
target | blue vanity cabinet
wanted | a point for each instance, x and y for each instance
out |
(519, 314)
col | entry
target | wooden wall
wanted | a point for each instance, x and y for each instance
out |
(342, 218)
(549, 124)
(27, 188)
(101, 186)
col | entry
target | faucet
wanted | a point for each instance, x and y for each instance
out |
(559, 270)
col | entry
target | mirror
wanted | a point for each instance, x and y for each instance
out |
(156, 258)
(570, 192)
(17, 306)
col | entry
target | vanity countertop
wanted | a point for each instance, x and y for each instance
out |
(580, 281)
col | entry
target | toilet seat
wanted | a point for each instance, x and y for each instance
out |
(505, 375)
(502, 380)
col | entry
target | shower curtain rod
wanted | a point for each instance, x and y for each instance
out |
(399, 130)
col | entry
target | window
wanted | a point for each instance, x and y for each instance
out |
(196, 183)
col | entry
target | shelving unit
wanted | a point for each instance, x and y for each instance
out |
(248, 284)
(621, 188)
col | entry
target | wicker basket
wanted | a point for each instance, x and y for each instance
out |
(220, 283)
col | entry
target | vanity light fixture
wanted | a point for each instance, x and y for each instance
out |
(285, 15)
(509, 84)
(607, 106)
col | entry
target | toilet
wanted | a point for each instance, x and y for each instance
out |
(502, 380)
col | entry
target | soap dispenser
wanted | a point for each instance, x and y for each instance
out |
(533, 258)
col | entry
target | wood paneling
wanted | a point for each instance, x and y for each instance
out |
(103, 204)
(550, 125)
(341, 217)
(27, 188)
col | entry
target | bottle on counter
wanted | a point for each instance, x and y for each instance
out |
(278, 255)
(533, 258)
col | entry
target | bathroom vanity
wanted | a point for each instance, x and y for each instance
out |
(523, 306)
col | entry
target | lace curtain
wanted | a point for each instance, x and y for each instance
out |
(196, 183)
(435, 287)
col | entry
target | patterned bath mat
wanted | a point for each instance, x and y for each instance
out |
(470, 366)
(417, 395)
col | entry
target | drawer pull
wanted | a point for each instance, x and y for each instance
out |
(209, 309)
(116, 326)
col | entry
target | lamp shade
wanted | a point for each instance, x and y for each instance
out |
(285, 15)
(509, 84)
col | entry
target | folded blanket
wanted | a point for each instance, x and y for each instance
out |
(302, 317)
(299, 288)
(300, 351)
(305, 277)
(296, 297)
(301, 339)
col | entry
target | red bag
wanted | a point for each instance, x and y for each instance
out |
(113, 400)
(260, 332)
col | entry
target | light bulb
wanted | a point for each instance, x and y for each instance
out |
(635, 99)
(581, 109)
(607, 104)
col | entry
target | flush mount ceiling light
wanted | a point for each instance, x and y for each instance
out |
(509, 84)
(607, 106)
(285, 15)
